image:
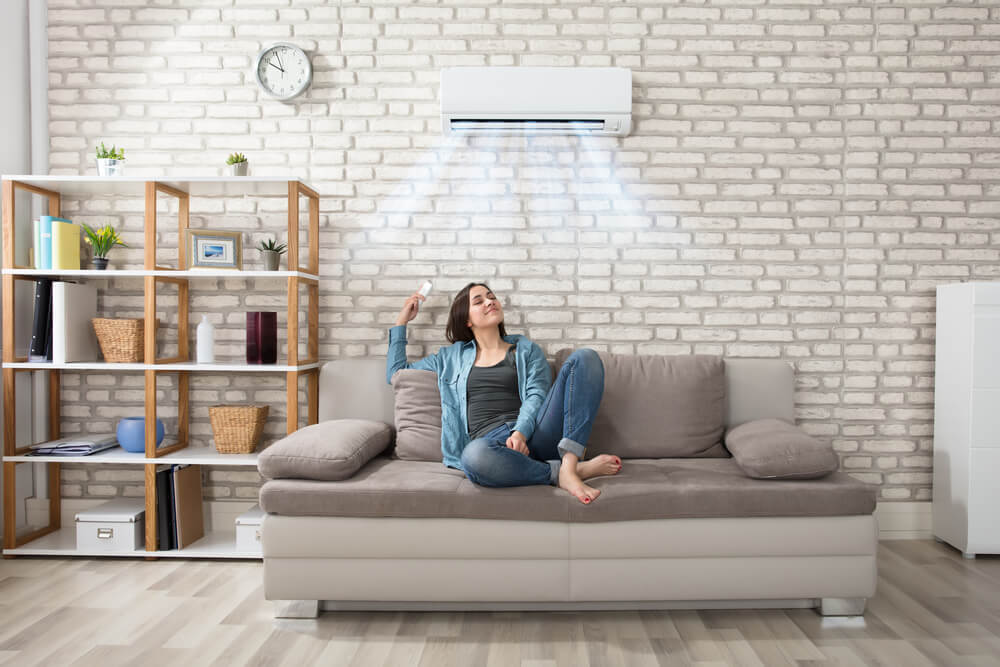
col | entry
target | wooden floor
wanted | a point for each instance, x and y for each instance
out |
(932, 608)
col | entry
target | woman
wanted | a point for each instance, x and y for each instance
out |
(503, 422)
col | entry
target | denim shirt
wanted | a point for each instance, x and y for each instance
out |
(452, 365)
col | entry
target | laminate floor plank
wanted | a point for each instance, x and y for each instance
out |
(932, 607)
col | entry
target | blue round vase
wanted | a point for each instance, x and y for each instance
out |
(131, 434)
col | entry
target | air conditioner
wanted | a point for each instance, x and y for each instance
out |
(524, 100)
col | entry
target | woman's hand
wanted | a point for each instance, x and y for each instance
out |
(410, 308)
(517, 442)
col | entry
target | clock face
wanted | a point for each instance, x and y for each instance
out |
(283, 71)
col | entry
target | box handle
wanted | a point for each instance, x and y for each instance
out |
(105, 533)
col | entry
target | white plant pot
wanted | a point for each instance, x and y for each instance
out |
(110, 167)
(238, 169)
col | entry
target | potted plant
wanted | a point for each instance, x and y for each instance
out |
(272, 251)
(110, 162)
(102, 241)
(237, 164)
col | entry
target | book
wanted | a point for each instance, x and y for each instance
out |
(74, 305)
(190, 523)
(65, 245)
(36, 247)
(39, 328)
(44, 249)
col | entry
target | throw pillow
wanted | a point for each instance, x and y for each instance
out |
(417, 415)
(775, 449)
(327, 451)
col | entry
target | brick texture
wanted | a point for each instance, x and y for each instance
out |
(800, 177)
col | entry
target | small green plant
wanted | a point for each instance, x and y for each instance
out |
(102, 240)
(113, 154)
(236, 158)
(273, 245)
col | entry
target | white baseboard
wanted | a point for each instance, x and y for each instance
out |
(904, 521)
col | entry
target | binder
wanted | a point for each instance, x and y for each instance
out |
(39, 321)
(74, 305)
(164, 509)
(190, 524)
(65, 245)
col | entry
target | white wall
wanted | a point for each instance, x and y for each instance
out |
(800, 177)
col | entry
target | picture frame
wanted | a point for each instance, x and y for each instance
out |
(214, 249)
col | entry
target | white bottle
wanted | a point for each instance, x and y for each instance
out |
(206, 341)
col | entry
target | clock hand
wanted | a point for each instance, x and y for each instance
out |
(271, 63)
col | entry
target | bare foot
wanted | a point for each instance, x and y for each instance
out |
(603, 464)
(570, 481)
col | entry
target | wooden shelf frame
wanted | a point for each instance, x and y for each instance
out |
(153, 276)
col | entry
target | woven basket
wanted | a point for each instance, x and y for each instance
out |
(121, 340)
(237, 428)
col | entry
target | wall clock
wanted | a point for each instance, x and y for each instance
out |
(283, 70)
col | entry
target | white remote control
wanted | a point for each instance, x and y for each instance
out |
(425, 289)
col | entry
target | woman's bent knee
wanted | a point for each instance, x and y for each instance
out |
(590, 362)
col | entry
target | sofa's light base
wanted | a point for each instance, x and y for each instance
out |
(296, 608)
(311, 608)
(842, 606)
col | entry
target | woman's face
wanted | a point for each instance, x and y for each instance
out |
(484, 309)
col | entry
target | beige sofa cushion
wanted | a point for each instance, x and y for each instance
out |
(417, 415)
(329, 450)
(775, 449)
(659, 406)
(644, 489)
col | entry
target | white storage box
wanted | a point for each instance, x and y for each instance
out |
(248, 530)
(115, 526)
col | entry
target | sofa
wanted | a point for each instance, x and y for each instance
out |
(355, 519)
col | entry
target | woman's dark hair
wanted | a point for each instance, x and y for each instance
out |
(457, 329)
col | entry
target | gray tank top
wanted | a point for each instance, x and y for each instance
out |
(493, 395)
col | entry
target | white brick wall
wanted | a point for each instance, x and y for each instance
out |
(799, 179)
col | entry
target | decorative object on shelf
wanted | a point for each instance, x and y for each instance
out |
(214, 249)
(272, 251)
(102, 241)
(131, 433)
(283, 70)
(121, 339)
(238, 164)
(110, 162)
(237, 428)
(262, 337)
(206, 341)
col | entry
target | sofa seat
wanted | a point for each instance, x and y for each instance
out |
(645, 489)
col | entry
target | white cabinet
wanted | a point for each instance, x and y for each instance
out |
(966, 505)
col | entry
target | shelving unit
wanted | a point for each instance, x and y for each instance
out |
(54, 540)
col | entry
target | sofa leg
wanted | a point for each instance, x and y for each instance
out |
(842, 606)
(296, 608)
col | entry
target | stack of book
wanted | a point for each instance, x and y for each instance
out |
(61, 330)
(179, 520)
(81, 445)
(57, 244)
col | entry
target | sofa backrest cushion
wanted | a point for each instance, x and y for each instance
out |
(659, 406)
(417, 415)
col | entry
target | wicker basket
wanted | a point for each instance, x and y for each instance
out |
(121, 340)
(237, 428)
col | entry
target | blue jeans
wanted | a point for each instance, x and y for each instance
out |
(567, 415)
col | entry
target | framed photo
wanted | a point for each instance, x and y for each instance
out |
(214, 249)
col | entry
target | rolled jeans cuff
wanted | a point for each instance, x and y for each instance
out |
(567, 446)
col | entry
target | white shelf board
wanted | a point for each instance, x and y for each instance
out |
(188, 455)
(109, 274)
(63, 543)
(196, 186)
(177, 366)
